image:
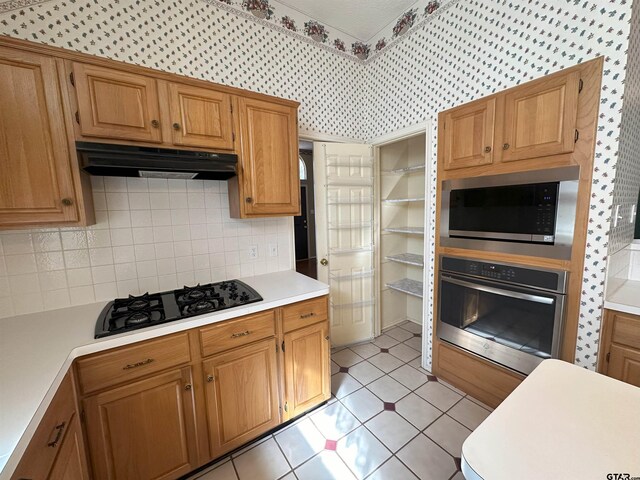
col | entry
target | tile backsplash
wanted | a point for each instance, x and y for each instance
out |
(150, 235)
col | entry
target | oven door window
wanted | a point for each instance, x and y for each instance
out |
(519, 318)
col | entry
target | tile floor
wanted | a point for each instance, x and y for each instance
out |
(388, 419)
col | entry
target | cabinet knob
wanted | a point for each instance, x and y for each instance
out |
(248, 199)
(487, 149)
(506, 146)
(324, 262)
(67, 202)
(187, 386)
(210, 378)
(155, 123)
(327, 337)
(176, 126)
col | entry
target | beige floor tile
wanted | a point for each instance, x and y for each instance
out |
(468, 413)
(335, 368)
(301, 442)
(409, 377)
(264, 462)
(412, 327)
(327, 465)
(438, 395)
(366, 350)
(404, 353)
(342, 384)
(449, 434)
(426, 459)
(334, 421)
(221, 472)
(417, 411)
(385, 341)
(346, 358)
(451, 387)
(483, 405)
(385, 362)
(362, 452)
(392, 430)
(399, 334)
(415, 343)
(458, 476)
(363, 404)
(365, 372)
(387, 389)
(392, 469)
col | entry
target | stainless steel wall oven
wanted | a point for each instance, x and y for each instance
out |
(510, 314)
(527, 213)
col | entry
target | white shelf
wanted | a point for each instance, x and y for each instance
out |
(408, 286)
(349, 226)
(403, 200)
(343, 251)
(364, 303)
(365, 274)
(407, 259)
(407, 170)
(363, 164)
(406, 230)
(365, 182)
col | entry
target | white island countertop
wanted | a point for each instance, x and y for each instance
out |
(562, 422)
(37, 349)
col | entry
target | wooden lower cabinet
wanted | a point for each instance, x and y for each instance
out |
(306, 368)
(620, 350)
(624, 364)
(144, 430)
(241, 394)
(71, 463)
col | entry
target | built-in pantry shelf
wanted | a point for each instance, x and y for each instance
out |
(407, 170)
(408, 286)
(403, 200)
(407, 259)
(350, 226)
(347, 276)
(407, 230)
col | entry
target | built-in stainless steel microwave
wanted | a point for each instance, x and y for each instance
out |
(528, 213)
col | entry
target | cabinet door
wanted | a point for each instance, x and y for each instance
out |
(116, 104)
(242, 395)
(144, 430)
(468, 135)
(624, 364)
(269, 173)
(36, 183)
(200, 117)
(306, 366)
(540, 118)
(71, 463)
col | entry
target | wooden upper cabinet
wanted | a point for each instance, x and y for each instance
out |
(144, 430)
(200, 117)
(36, 180)
(116, 104)
(468, 135)
(269, 174)
(540, 118)
(241, 394)
(306, 368)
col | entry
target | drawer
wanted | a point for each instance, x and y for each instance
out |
(305, 313)
(47, 439)
(626, 330)
(233, 333)
(134, 361)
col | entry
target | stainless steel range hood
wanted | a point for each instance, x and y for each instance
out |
(134, 161)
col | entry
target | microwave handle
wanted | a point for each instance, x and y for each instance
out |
(499, 291)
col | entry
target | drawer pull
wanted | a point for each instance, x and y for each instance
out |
(241, 334)
(307, 315)
(138, 364)
(60, 429)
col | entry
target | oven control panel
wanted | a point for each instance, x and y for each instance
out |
(515, 274)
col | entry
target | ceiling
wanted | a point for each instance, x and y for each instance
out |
(361, 19)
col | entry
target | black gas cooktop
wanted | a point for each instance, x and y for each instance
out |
(126, 314)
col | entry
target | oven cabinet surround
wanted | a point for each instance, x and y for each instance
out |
(547, 123)
(57, 449)
(529, 122)
(620, 353)
(53, 97)
(161, 408)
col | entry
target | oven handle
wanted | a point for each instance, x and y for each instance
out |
(499, 291)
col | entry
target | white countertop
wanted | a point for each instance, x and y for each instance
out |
(625, 297)
(562, 422)
(37, 349)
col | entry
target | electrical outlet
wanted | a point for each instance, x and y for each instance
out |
(253, 251)
(273, 249)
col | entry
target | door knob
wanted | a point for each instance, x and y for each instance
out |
(324, 262)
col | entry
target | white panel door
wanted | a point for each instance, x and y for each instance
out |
(345, 197)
